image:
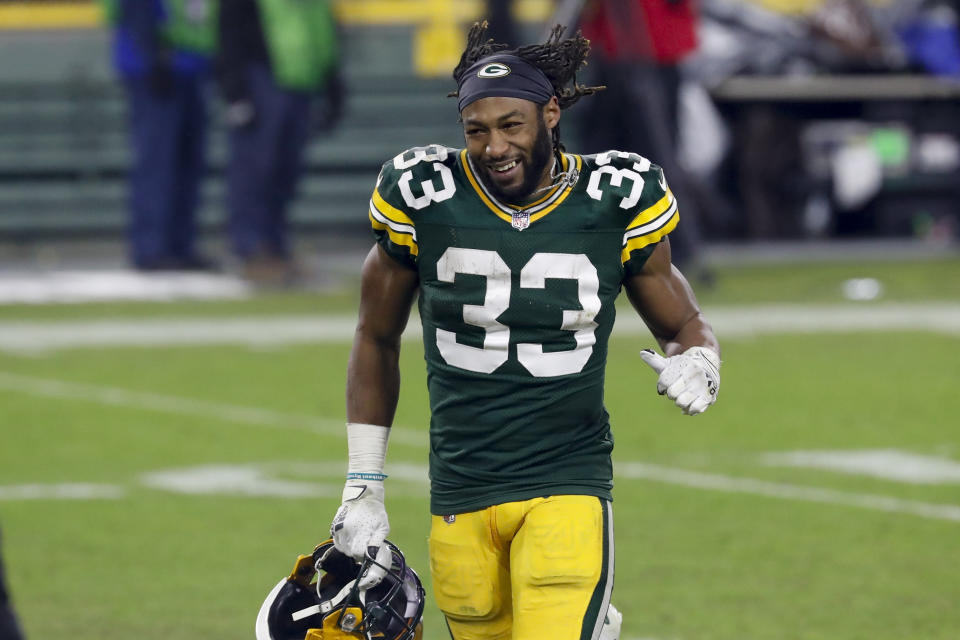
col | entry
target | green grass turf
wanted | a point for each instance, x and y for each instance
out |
(342, 300)
(933, 279)
(691, 564)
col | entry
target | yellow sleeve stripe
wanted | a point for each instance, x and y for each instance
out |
(654, 235)
(397, 224)
(389, 211)
(654, 211)
(401, 238)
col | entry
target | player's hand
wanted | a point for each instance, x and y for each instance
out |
(361, 526)
(691, 379)
(612, 623)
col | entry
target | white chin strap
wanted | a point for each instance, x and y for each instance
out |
(327, 606)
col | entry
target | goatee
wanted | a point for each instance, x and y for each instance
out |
(540, 155)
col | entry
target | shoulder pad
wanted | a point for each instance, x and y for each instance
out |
(625, 180)
(637, 191)
(418, 161)
(409, 184)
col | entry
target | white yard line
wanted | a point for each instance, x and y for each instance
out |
(889, 464)
(39, 337)
(730, 484)
(63, 491)
(272, 479)
(274, 330)
(42, 336)
(80, 286)
(177, 405)
(841, 318)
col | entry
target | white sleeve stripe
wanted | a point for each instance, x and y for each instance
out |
(653, 225)
(608, 587)
(655, 210)
(395, 226)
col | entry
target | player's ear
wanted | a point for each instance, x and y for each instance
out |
(551, 113)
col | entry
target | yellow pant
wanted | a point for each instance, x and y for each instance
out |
(541, 569)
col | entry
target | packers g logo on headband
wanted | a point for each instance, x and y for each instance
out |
(494, 70)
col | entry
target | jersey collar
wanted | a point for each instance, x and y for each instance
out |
(532, 211)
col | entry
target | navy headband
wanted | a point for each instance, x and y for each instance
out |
(503, 75)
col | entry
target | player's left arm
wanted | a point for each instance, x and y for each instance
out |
(690, 374)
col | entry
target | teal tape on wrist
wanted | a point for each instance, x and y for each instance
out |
(380, 477)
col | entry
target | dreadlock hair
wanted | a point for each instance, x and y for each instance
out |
(559, 59)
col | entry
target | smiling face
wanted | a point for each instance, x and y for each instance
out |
(509, 142)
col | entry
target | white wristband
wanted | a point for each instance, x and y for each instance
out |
(367, 447)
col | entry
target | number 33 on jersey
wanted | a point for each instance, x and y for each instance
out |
(519, 291)
(517, 306)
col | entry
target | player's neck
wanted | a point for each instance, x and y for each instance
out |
(552, 176)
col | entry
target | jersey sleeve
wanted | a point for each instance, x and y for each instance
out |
(655, 216)
(393, 227)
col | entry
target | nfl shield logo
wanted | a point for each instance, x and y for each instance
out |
(521, 220)
(449, 519)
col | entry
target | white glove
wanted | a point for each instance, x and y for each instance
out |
(691, 379)
(361, 523)
(611, 624)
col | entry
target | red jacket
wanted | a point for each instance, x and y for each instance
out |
(662, 30)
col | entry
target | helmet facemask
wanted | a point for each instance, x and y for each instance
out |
(321, 600)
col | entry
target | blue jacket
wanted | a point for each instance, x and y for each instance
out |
(138, 46)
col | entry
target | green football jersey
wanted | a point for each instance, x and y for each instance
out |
(517, 306)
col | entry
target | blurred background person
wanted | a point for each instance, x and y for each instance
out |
(9, 628)
(278, 70)
(931, 36)
(161, 53)
(866, 138)
(636, 50)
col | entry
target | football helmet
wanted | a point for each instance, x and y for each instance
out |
(321, 600)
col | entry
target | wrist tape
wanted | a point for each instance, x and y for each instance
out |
(367, 447)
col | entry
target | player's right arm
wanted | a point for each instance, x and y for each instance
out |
(387, 291)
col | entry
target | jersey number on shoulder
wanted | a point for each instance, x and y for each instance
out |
(533, 275)
(435, 154)
(617, 176)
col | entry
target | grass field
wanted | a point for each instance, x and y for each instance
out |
(159, 492)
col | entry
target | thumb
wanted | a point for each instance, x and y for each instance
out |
(381, 558)
(656, 362)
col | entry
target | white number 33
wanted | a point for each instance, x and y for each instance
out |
(495, 349)
(617, 176)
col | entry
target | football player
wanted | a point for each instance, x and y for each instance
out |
(516, 251)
